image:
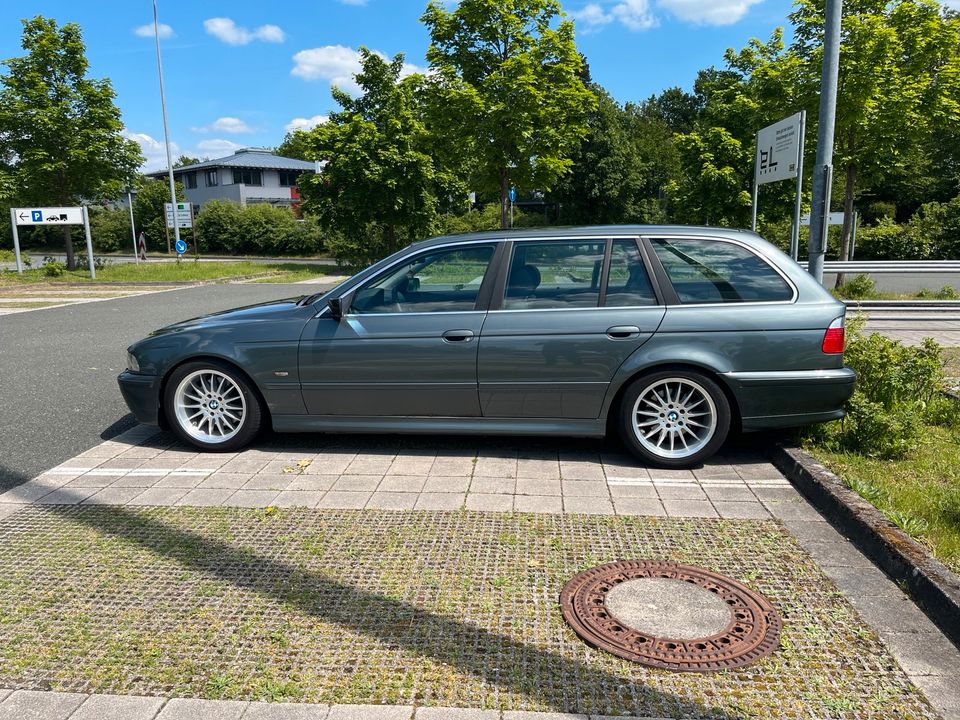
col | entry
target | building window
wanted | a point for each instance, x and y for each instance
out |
(190, 180)
(288, 178)
(212, 178)
(248, 177)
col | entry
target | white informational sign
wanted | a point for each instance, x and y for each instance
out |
(834, 218)
(184, 215)
(48, 216)
(778, 150)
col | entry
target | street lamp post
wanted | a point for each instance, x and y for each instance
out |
(166, 130)
(823, 172)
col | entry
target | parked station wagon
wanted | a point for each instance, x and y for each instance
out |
(671, 336)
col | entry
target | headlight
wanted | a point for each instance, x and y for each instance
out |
(132, 364)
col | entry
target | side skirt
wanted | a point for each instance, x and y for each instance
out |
(439, 425)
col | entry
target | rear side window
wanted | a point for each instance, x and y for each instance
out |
(628, 284)
(713, 271)
(554, 275)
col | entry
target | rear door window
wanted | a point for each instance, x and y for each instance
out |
(555, 275)
(628, 284)
(714, 271)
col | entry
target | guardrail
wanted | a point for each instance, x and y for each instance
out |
(890, 266)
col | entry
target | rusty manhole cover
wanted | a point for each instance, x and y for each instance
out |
(670, 616)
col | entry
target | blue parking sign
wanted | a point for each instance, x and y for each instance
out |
(36, 215)
(181, 247)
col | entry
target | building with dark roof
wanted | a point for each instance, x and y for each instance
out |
(251, 175)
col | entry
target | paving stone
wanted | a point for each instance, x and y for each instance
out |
(442, 713)
(402, 483)
(28, 492)
(842, 552)
(187, 482)
(285, 711)
(523, 715)
(538, 469)
(639, 506)
(370, 712)
(268, 481)
(943, 692)
(673, 475)
(410, 466)
(538, 503)
(357, 483)
(392, 500)
(440, 501)
(633, 491)
(8, 509)
(689, 508)
(528, 486)
(298, 498)
(370, 465)
(680, 492)
(863, 581)
(717, 472)
(194, 709)
(251, 498)
(329, 464)
(3, 694)
(587, 505)
(792, 510)
(490, 502)
(245, 465)
(444, 484)
(741, 510)
(137, 481)
(159, 496)
(496, 467)
(585, 488)
(67, 496)
(113, 496)
(344, 500)
(452, 466)
(807, 531)
(224, 481)
(923, 653)
(777, 494)
(118, 707)
(92, 481)
(581, 470)
(493, 486)
(739, 493)
(39, 705)
(206, 497)
(314, 483)
(889, 615)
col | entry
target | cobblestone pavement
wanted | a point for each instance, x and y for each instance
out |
(852, 648)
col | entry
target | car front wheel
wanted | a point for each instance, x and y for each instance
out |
(212, 406)
(674, 418)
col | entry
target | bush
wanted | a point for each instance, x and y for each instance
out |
(889, 241)
(861, 287)
(53, 268)
(947, 292)
(939, 224)
(876, 211)
(260, 229)
(110, 230)
(876, 431)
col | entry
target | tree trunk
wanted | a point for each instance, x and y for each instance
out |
(847, 219)
(68, 242)
(504, 199)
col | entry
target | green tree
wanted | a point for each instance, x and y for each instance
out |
(148, 211)
(62, 126)
(185, 160)
(110, 229)
(507, 82)
(379, 188)
(294, 145)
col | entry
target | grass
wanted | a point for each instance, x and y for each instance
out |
(951, 357)
(185, 271)
(24, 304)
(450, 609)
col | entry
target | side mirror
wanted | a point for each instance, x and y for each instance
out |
(336, 309)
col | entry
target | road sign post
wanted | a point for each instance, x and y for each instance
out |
(133, 229)
(51, 216)
(86, 232)
(16, 239)
(780, 157)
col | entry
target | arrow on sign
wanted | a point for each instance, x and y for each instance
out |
(22, 216)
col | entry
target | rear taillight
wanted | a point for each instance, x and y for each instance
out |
(833, 339)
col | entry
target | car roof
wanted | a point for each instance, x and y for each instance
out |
(591, 231)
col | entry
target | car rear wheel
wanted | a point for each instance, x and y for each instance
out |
(674, 418)
(212, 406)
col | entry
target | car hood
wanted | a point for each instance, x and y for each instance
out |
(267, 312)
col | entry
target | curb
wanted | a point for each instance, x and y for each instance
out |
(931, 584)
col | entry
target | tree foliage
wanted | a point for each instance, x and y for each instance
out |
(149, 214)
(506, 81)
(61, 126)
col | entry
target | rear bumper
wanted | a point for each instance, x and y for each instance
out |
(791, 398)
(142, 395)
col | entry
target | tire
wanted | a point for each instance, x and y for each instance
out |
(212, 406)
(674, 418)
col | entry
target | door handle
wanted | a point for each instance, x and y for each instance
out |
(452, 336)
(623, 332)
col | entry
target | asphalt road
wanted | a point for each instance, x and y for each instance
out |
(58, 369)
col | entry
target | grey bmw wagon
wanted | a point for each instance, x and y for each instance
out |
(671, 336)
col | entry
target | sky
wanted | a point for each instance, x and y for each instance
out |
(241, 74)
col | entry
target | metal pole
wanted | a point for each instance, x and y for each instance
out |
(825, 227)
(756, 184)
(166, 129)
(795, 234)
(16, 239)
(853, 238)
(825, 131)
(86, 230)
(133, 230)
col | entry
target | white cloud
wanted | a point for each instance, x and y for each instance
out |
(952, 4)
(591, 16)
(352, 2)
(229, 32)
(153, 150)
(635, 14)
(708, 12)
(336, 64)
(305, 123)
(147, 31)
(232, 125)
(218, 147)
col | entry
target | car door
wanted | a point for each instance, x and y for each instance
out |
(569, 313)
(406, 344)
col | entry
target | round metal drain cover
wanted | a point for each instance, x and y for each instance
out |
(670, 616)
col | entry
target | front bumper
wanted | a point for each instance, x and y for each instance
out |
(142, 395)
(791, 398)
